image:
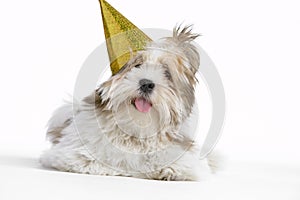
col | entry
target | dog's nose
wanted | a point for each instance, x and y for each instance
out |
(146, 85)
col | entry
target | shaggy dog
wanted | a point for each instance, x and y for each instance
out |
(137, 123)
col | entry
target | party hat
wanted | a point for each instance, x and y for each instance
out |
(122, 36)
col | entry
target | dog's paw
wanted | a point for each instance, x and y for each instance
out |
(169, 174)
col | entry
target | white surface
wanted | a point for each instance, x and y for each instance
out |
(22, 178)
(254, 44)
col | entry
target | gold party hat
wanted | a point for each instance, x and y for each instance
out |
(122, 36)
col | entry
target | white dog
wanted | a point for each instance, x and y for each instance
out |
(136, 123)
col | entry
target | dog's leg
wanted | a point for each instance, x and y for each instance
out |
(186, 168)
(77, 163)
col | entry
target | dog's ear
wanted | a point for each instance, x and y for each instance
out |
(103, 92)
(183, 38)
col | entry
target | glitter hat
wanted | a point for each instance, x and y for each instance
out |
(122, 36)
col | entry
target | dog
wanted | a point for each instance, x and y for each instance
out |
(137, 123)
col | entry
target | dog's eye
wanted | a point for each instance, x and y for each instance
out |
(168, 75)
(137, 65)
(167, 72)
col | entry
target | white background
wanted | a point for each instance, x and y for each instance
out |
(254, 44)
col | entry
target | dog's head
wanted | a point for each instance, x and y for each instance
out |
(155, 89)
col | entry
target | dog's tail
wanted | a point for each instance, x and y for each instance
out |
(60, 119)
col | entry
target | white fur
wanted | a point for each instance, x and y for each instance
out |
(116, 139)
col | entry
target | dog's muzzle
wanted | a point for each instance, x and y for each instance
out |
(146, 86)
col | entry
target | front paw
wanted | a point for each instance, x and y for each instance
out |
(169, 174)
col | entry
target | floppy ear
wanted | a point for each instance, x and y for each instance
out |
(183, 37)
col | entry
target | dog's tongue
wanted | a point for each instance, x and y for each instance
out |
(142, 105)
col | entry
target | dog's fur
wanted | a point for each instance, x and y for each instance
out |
(105, 134)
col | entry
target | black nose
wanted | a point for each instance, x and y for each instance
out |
(146, 85)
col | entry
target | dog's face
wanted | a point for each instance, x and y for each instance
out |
(154, 91)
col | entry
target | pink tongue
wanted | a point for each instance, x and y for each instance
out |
(142, 105)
